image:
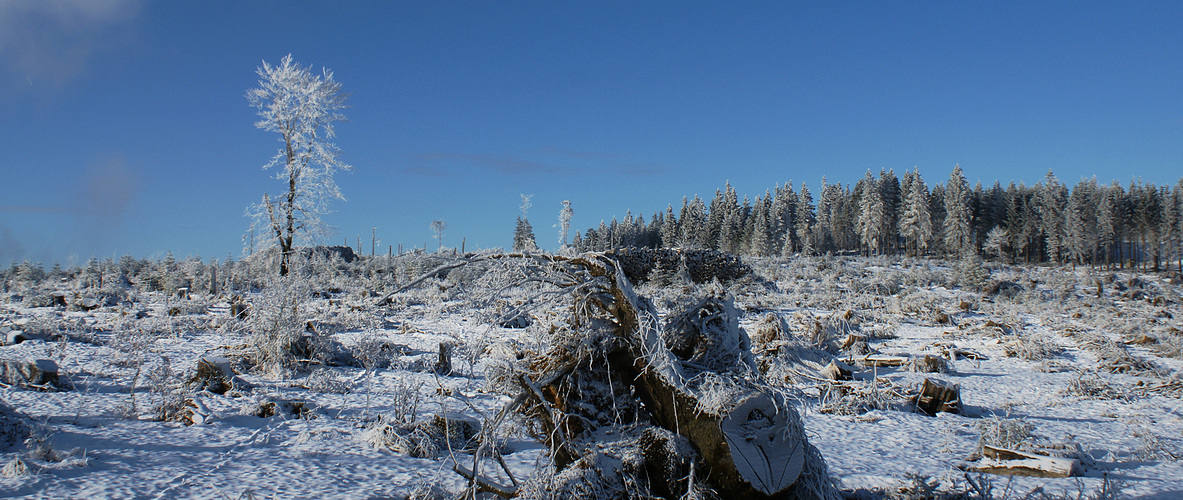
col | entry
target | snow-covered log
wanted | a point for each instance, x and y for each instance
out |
(1016, 463)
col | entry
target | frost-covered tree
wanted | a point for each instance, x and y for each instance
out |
(1173, 225)
(565, 215)
(761, 234)
(437, 228)
(957, 214)
(1109, 222)
(1145, 217)
(806, 221)
(893, 199)
(783, 217)
(823, 227)
(995, 244)
(716, 212)
(301, 106)
(523, 233)
(669, 227)
(694, 223)
(1049, 203)
(523, 236)
(872, 214)
(1080, 222)
(916, 221)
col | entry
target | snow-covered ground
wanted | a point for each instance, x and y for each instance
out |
(1053, 358)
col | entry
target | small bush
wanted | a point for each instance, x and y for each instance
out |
(1000, 432)
(1093, 387)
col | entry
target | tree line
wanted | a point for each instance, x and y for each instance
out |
(1091, 223)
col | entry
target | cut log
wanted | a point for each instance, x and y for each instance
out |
(877, 361)
(1016, 463)
(766, 456)
(936, 397)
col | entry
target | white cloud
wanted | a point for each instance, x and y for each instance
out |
(51, 41)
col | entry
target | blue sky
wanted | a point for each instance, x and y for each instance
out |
(125, 129)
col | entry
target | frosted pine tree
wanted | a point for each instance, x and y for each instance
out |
(823, 225)
(957, 215)
(995, 245)
(761, 234)
(669, 227)
(806, 221)
(871, 215)
(1146, 214)
(1049, 203)
(782, 218)
(1173, 225)
(1080, 222)
(893, 199)
(565, 215)
(693, 224)
(523, 233)
(709, 237)
(916, 221)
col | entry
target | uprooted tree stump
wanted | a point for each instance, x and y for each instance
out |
(693, 381)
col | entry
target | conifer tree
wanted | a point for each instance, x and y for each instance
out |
(806, 221)
(871, 214)
(916, 222)
(1050, 202)
(693, 224)
(669, 227)
(957, 214)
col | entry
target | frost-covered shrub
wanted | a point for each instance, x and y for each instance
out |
(1034, 347)
(280, 340)
(970, 274)
(15, 468)
(815, 332)
(856, 398)
(1093, 387)
(14, 427)
(431, 438)
(267, 407)
(1170, 343)
(326, 381)
(1002, 432)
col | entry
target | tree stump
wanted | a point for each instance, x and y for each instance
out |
(936, 397)
(40, 374)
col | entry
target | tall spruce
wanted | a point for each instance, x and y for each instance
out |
(916, 221)
(957, 230)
